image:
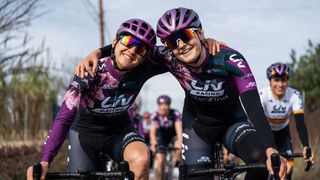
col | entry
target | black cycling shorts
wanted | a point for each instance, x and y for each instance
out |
(84, 149)
(283, 140)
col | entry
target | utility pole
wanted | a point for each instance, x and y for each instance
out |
(101, 23)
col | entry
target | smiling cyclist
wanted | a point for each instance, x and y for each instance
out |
(96, 108)
(213, 84)
(280, 102)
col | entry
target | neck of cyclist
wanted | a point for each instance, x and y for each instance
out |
(122, 71)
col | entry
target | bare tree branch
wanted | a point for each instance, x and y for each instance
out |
(19, 15)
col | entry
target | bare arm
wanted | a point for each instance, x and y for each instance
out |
(178, 128)
(153, 137)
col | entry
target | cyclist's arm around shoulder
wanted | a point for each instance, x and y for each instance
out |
(91, 61)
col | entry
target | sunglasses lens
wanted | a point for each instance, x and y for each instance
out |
(184, 35)
(129, 41)
(171, 43)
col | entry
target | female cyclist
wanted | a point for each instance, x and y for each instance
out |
(96, 108)
(213, 84)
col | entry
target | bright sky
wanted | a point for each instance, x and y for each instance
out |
(263, 31)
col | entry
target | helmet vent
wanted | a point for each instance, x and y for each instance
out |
(177, 18)
(134, 27)
(142, 31)
(168, 19)
(194, 19)
(187, 15)
(126, 25)
(149, 36)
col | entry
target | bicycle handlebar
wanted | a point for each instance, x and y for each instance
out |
(227, 170)
(298, 155)
(84, 174)
(291, 155)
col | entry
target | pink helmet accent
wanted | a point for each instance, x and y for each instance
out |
(278, 70)
(176, 19)
(140, 29)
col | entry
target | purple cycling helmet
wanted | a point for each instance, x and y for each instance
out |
(176, 19)
(278, 70)
(164, 99)
(140, 29)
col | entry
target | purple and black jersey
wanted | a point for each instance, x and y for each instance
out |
(97, 104)
(166, 130)
(219, 79)
(215, 87)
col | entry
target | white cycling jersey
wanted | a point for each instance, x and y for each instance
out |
(278, 111)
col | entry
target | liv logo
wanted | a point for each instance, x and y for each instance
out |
(279, 109)
(207, 85)
(119, 101)
(209, 88)
(239, 61)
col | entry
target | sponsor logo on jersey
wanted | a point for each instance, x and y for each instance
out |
(236, 59)
(204, 159)
(118, 104)
(211, 99)
(106, 86)
(246, 76)
(210, 88)
(278, 109)
(251, 84)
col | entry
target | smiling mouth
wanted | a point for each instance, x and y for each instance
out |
(185, 51)
(128, 57)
